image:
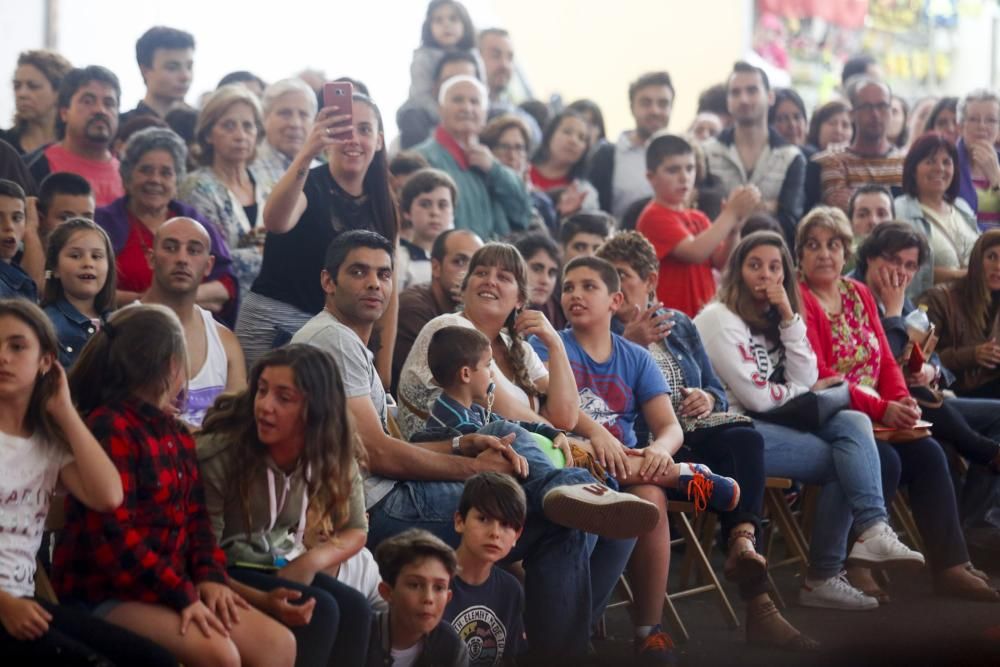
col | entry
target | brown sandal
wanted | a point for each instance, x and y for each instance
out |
(745, 564)
(967, 586)
(790, 639)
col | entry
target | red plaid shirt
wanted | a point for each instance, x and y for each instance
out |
(159, 544)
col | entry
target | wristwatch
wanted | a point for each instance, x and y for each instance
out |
(455, 445)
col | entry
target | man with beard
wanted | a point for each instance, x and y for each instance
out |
(86, 125)
(618, 170)
(751, 153)
(181, 258)
(871, 158)
(420, 304)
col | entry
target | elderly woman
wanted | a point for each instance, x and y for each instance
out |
(223, 189)
(152, 164)
(36, 92)
(845, 330)
(978, 158)
(307, 208)
(509, 139)
(289, 108)
(494, 200)
(932, 205)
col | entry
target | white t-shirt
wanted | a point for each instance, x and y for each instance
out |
(29, 471)
(416, 384)
(406, 657)
(360, 572)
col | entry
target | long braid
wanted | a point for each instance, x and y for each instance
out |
(516, 357)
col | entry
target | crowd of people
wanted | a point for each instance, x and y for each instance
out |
(314, 398)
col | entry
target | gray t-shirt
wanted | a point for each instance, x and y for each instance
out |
(356, 364)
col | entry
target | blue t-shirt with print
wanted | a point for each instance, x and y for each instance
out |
(612, 392)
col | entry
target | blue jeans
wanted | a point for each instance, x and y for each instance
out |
(841, 457)
(570, 575)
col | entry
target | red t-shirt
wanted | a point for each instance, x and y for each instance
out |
(546, 184)
(102, 175)
(682, 286)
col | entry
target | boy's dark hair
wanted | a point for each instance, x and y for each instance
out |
(468, 40)
(664, 146)
(889, 238)
(344, 243)
(61, 183)
(183, 121)
(605, 269)
(760, 221)
(743, 67)
(160, 37)
(455, 57)
(408, 547)
(425, 181)
(593, 222)
(870, 189)
(650, 79)
(241, 76)
(407, 162)
(854, 66)
(530, 244)
(496, 495)
(77, 78)
(11, 189)
(714, 99)
(453, 348)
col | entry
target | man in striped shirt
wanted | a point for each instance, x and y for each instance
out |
(870, 159)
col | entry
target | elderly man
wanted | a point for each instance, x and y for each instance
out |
(289, 108)
(494, 201)
(180, 259)
(415, 120)
(87, 123)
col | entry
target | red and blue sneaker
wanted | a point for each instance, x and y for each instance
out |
(707, 490)
(656, 648)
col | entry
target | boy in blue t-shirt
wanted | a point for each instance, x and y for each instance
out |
(487, 603)
(617, 379)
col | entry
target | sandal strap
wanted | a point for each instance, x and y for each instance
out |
(745, 534)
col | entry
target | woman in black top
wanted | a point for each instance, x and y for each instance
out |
(306, 209)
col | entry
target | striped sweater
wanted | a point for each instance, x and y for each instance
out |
(844, 171)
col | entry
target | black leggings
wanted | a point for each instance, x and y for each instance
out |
(951, 426)
(76, 637)
(737, 451)
(341, 621)
(921, 466)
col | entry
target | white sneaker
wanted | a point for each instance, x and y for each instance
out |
(835, 593)
(880, 546)
(595, 508)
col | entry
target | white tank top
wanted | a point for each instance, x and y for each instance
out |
(211, 377)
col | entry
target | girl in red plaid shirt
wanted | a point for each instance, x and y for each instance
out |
(153, 565)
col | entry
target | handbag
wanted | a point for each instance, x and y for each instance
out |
(809, 411)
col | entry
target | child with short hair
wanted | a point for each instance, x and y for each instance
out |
(416, 569)
(427, 203)
(79, 284)
(617, 380)
(487, 603)
(687, 244)
(581, 234)
(14, 281)
(62, 196)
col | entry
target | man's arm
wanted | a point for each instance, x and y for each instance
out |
(236, 365)
(791, 199)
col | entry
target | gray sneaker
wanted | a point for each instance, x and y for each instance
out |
(880, 546)
(836, 593)
(595, 508)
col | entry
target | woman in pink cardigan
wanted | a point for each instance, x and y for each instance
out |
(844, 328)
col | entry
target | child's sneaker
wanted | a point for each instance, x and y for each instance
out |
(879, 545)
(594, 508)
(656, 648)
(706, 489)
(835, 593)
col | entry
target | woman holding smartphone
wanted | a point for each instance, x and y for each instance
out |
(309, 207)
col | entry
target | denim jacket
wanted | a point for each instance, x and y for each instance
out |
(14, 282)
(685, 345)
(73, 329)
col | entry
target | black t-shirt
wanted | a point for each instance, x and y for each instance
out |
(293, 261)
(488, 618)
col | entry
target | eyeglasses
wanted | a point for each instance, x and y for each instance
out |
(988, 122)
(512, 148)
(897, 262)
(880, 107)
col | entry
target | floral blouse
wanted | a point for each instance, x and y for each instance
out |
(855, 341)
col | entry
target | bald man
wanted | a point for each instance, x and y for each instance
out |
(180, 258)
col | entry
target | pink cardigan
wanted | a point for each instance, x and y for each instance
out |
(891, 386)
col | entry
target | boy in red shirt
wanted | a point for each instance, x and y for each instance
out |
(687, 243)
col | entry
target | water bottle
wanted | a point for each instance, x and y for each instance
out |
(918, 325)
